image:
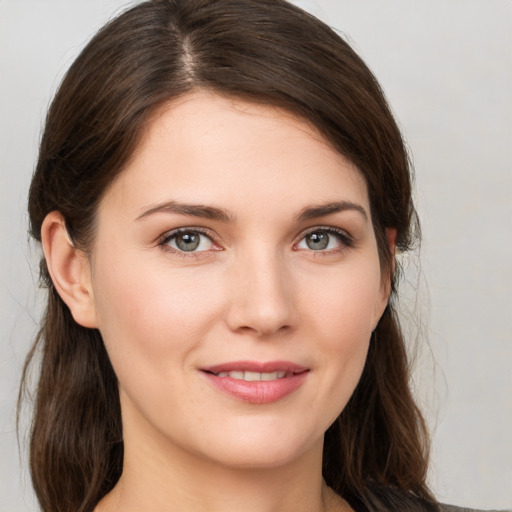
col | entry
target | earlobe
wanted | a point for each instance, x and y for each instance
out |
(69, 270)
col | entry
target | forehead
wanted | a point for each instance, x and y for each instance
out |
(208, 148)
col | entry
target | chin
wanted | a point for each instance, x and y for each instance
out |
(261, 450)
(257, 458)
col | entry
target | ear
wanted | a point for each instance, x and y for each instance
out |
(69, 270)
(391, 238)
(387, 274)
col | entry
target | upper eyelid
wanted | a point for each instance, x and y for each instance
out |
(345, 238)
(323, 228)
(214, 237)
(176, 231)
(163, 242)
(331, 229)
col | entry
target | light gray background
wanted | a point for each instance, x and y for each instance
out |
(446, 66)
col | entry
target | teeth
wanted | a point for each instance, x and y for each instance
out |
(250, 376)
(253, 376)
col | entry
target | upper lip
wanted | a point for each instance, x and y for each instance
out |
(256, 366)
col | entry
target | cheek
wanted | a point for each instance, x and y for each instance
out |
(147, 314)
(341, 318)
(349, 303)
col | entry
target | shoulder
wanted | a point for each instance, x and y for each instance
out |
(453, 508)
(386, 498)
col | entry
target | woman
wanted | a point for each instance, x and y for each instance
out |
(220, 194)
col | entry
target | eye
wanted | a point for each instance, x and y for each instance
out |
(188, 240)
(324, 239)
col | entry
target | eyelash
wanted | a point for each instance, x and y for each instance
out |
(167, 237)
(345, 239)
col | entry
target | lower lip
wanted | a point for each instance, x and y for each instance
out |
(258, 392)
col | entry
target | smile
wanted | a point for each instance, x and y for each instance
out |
(254, 376)
(257, 383)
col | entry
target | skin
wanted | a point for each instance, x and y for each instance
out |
(253, 290)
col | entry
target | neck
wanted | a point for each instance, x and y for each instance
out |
(166, 479)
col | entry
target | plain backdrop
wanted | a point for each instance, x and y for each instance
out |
(446, 67)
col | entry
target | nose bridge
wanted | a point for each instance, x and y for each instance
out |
(262, 292)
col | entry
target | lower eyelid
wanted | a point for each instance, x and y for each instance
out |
(345, 240)
(165, 239)
(343, 237)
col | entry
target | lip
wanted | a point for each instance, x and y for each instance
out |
(256, 366)
(257, 392)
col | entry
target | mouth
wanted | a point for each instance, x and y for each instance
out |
(254, 376)
(255, 382)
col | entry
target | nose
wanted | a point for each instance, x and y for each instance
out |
(262, 297)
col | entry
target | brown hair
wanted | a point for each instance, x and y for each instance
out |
(266, 51)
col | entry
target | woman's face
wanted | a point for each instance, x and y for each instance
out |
(236, 283)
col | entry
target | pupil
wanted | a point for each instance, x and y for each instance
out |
(317, 240)
(187, 242)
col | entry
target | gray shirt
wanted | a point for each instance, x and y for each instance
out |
(453, 508)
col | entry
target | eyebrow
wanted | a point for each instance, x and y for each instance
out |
(222, 215)
(194, 210)
(315, 211)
